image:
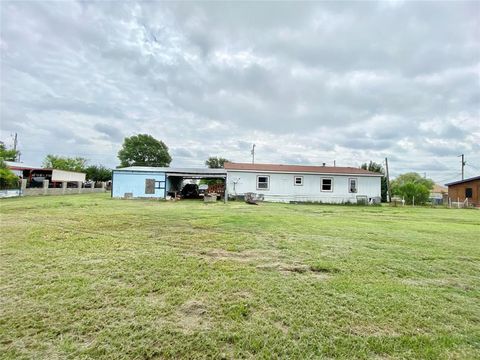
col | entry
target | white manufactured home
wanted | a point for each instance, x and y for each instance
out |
(282, 183)
(297, 183)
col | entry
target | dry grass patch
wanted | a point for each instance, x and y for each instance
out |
(240, 256)
(192, 316)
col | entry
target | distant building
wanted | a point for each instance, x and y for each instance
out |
(36, 175)
(438, 194)
(465, 189)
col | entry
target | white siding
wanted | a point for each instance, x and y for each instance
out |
(62, 175)
(283, 189)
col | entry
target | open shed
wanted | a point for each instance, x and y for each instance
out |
(36, 175)
(157, 182)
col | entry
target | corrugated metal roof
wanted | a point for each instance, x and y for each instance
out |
(20, 165)
(172, 170)
(463, 181)
(300, 169)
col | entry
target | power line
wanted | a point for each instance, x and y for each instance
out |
(449, 178)
(474, 167)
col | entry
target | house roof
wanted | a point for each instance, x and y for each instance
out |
(439, 189)
(299, 169)
(15, 165)
(463, 181)
(172, 170)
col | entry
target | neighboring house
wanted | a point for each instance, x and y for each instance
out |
(438, 194)
(465, 189)
(298, 183)
(282, 183)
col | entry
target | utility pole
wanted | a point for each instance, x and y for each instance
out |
(15, 146)
(463, 164)
(388, 182)
(253, 154)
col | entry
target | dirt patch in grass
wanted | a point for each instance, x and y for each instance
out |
(192, 316)
(281, 327)
(295, 268)
(322, 273)
(437, 283)
(287, 268)
(372, 330)
(241, 256)
(155, 299)
(323, 269)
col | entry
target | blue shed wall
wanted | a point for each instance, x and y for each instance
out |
(134, 182)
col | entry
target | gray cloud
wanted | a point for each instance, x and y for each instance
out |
(307, 83)
(109, 130)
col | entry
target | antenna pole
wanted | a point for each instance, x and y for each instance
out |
(253, 154)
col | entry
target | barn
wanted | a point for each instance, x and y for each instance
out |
(299, 183)
(276, 183)
(465, 190)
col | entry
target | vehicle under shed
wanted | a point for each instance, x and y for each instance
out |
(159, 182)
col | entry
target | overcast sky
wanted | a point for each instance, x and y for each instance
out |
(306, 82)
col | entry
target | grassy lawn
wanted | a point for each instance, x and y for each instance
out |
(86, 276)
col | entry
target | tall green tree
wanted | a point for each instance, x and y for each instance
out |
(215, 162)
(144, 150)
(378, 168)
(412, 186)
(98, 173)
(65, 163)
(8, 154)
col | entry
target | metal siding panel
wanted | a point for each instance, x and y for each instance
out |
(134, 182)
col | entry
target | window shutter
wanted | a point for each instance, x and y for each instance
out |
(149, 186)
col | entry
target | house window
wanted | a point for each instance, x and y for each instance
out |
(352, 185)
(160, 185)
(468, 192)
(327, 184)
(298, 180)
(263, 182)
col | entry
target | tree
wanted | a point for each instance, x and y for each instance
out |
(98, 173)
(143, 150)
(65, 163)
(412, 186)
(378, 168)
(8, 155)
(413, 192)
(215, 162)
(412, 177)
(7, 178)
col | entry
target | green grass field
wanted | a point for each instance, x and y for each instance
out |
(87, 276)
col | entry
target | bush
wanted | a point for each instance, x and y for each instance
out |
(8, 180)
(413, 191)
